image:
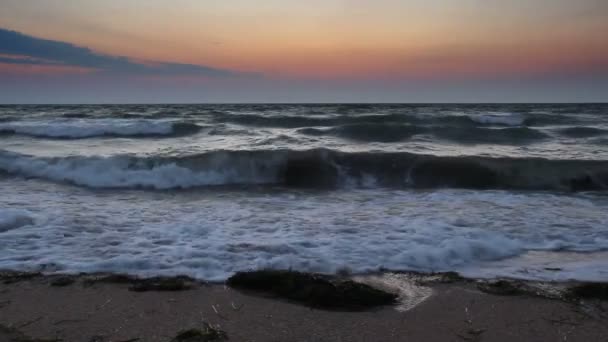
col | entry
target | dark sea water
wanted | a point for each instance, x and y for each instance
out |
(207, 190)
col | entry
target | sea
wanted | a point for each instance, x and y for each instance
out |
(487, 190)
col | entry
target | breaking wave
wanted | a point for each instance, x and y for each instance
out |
(319, 168)
(373, 132)
(378, 132)
(583, 132)
(506, 119)
(14, 218)
(80, 129)
(333, 119)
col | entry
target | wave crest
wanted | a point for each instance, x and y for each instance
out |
(455, 119)
(506, 119)
(378, 132)
(80, 129)
(583, 132)
(319, 168)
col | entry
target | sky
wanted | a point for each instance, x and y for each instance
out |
(149, 51)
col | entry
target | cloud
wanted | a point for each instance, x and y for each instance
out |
(19, 48)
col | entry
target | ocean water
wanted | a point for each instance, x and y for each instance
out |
(207, 190)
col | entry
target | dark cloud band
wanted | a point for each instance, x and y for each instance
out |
(51, 52)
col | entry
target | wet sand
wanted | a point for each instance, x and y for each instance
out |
(33, 310)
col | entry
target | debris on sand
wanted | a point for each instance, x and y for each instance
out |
(411, 288)
(501, 288)
(205, 334)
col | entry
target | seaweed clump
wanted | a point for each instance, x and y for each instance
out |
(62, 281)
(312, 289)
(502, 288)
(11, 277)
(588, 291)
(206, 334)
(162, 284)
(179, 283)
(449, 277)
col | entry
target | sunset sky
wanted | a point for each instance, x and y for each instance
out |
(70, 51)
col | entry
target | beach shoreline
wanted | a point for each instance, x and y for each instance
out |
(433, 307)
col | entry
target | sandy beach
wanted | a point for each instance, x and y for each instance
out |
(48, 308)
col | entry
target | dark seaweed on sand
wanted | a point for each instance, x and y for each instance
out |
(10, 277)
(179, 283)
(502, 288)
(62, 281)
(589, 291)
(205, 334)
(312, 289)
(163, 284)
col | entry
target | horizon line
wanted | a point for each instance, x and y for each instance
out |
(292, 103)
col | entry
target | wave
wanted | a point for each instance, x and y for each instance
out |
(455, 119)
(371, 132)
(599, 141)
(538, 119)
(14, 218)
(76, 115)
(319, 168)
(291, 121)
(479, 135)
(80, 129)
(282, 121)
(506, 119)
(582, 132)
(376, 132)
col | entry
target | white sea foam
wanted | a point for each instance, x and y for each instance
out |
(87, 128)
(506, 119)
(212, 234)
(125, 171)
(545, 265)
(409, 291)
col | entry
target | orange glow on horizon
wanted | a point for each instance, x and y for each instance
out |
(41, 69)
(332, 39)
